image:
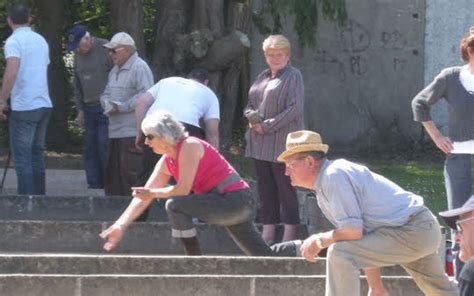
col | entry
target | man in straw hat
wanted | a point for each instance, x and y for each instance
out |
(377, 223)
(462, 220)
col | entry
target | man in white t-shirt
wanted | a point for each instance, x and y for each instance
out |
(25, 81)
(190, 101)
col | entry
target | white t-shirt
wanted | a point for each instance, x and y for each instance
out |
(30, 90)
(187, 99)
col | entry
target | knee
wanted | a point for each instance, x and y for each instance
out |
(337, 251)
(171, 205)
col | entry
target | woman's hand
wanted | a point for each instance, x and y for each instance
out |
(444, 144)
(143, 193)
(309, 249)
(113, 235)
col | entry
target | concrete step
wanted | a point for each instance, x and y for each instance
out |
(140, 264)
(70, 208)
(181, 285)
(83, 237)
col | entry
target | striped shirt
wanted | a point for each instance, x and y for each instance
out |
(279, 102)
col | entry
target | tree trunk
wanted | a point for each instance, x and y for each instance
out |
(50, 24)
(193, 34)
(127, 16)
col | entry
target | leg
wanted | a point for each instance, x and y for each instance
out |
(458, 182)
(130, 164)
(112, 182)
(38, 168)
(90, 152)
(288, 201)
(269, 204)
(102, 139)
(429, 275)
(374, 280)
(385, 246)
(22, 131)
(235, 210)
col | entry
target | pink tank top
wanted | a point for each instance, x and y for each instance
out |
(212, 170)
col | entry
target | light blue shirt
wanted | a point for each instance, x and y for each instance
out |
(351, 196)
(30, 90)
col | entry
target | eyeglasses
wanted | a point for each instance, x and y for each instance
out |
(149, 137)
(459, 222)
(290, 164)
(115, 50)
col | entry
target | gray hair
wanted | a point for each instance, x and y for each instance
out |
(163, 125)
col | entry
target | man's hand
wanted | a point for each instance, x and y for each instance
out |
(113, 110)
(309, 249)
(3, 108)
(80, 118)
(113, 235)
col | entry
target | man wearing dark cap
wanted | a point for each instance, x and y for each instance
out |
(376, 222)
(462, 220)
(92, 65)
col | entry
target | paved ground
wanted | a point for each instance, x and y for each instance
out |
(58, 182)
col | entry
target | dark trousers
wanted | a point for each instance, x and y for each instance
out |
(95, 145)
(233, 210)
(278, 199)
(124, 162)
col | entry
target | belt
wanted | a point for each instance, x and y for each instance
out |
(91, 104)
(229, 180)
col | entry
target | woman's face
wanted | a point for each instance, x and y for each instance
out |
(156, 144)
(277, 59)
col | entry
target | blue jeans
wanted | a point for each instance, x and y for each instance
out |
(95, 142)
(458, 178)
(27, 138)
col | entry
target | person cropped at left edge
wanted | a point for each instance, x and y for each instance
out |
(25, 78)
(128, 79)
(207, 188)
(92, 65)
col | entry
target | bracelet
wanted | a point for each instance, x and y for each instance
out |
(319, 242)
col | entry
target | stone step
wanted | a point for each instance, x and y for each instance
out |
(179, 265)
(181, 285)
(83, 237)
(70, 208)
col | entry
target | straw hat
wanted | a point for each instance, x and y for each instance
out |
(302, 141)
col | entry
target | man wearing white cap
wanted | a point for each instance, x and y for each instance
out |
(377, 223)
(128, 79)
(462, 220)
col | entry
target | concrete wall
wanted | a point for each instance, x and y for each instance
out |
(360, 79)
(446, 24)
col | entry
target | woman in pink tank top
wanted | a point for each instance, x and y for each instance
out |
(207, 188)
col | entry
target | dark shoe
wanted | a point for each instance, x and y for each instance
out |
(191, 246)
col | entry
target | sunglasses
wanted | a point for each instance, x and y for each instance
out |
(149, 137)
(459, 222)
(290, 164)
(115, 50)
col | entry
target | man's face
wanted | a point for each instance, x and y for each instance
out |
(465, 236)
(299, 170)
(119, 55)
(84, 46)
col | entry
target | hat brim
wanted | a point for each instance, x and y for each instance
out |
(302, 148)
(451, 216)
(111, 45)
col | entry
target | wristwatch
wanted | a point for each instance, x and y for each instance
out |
(319, 242)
